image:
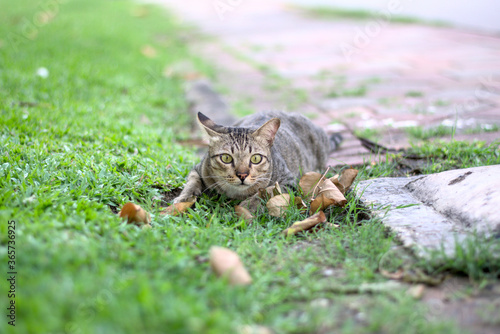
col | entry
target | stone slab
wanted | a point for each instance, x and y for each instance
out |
(439, 210)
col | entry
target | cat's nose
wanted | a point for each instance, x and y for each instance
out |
(242, 176)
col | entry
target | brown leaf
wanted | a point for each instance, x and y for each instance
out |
(178, 208)
(397, 275)
(271, 191)
(243, 212)
(323, 226)
(299, 203)
(347, 177)
(278, 205)
(134, 214)
(305, 224)
(308, 183)
(254, 329)
(335, 181)
(184, 70)
(328, 194)
(225, 262)
(416, 291)
(149, 51)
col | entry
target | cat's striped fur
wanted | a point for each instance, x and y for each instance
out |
(256, 152)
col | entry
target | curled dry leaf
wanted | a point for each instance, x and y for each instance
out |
(347, 178)
(328, 194)
(299, 203)
(278, 205)
(271, 191)
(308, 183)
(335, 181)
(243, 212)
(225, 262)
(134, 214)
(305, 224)
(178, 208)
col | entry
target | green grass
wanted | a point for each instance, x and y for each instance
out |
(414, 93)
(477, 257)
(329, 13)
(418, 132)
(369, 133)
(439, 156)
(458, 154)
(101, 130)
(346, 92)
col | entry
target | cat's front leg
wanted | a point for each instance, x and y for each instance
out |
(193, 188)
(252, 203)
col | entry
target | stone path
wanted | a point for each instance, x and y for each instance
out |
(370, 76)
(434, 212)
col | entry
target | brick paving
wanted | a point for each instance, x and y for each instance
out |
(356, 75)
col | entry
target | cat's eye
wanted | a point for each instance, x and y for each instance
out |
(226, 158)
(256, 158)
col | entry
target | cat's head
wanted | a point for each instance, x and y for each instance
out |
(239, 159)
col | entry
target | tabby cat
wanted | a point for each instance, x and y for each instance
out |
(256, 152)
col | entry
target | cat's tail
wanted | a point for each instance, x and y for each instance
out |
(202, 97)
(335, 141)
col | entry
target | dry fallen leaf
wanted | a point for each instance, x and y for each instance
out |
(305, 224)
(243, 212)
(134, 214)
(184, 69)
(149, 51)
(323, 226)
(299, 203)
(178, 208)
(278, 205)
(308, 183)
(416, 291)
(271, 191)
(225, 262)
(328, 194)
(335, 181)
(254, 329)
(347, 178)
(397, 275)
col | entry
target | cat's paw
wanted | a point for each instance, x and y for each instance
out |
(253, 204)
(187, 196)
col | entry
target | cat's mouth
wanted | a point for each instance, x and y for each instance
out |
(242, 184)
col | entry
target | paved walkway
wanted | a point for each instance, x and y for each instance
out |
(366, 76)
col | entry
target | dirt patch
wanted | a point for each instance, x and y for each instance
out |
(474, 309)
(168, 196)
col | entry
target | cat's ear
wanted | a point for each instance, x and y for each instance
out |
(209, 125)
(268, 130)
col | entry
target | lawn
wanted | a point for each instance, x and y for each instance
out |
(92, 111)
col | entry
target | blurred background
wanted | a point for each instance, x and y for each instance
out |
(393, 71)
(480, 14)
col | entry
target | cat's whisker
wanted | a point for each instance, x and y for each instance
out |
(214, 185)
(262, 178)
